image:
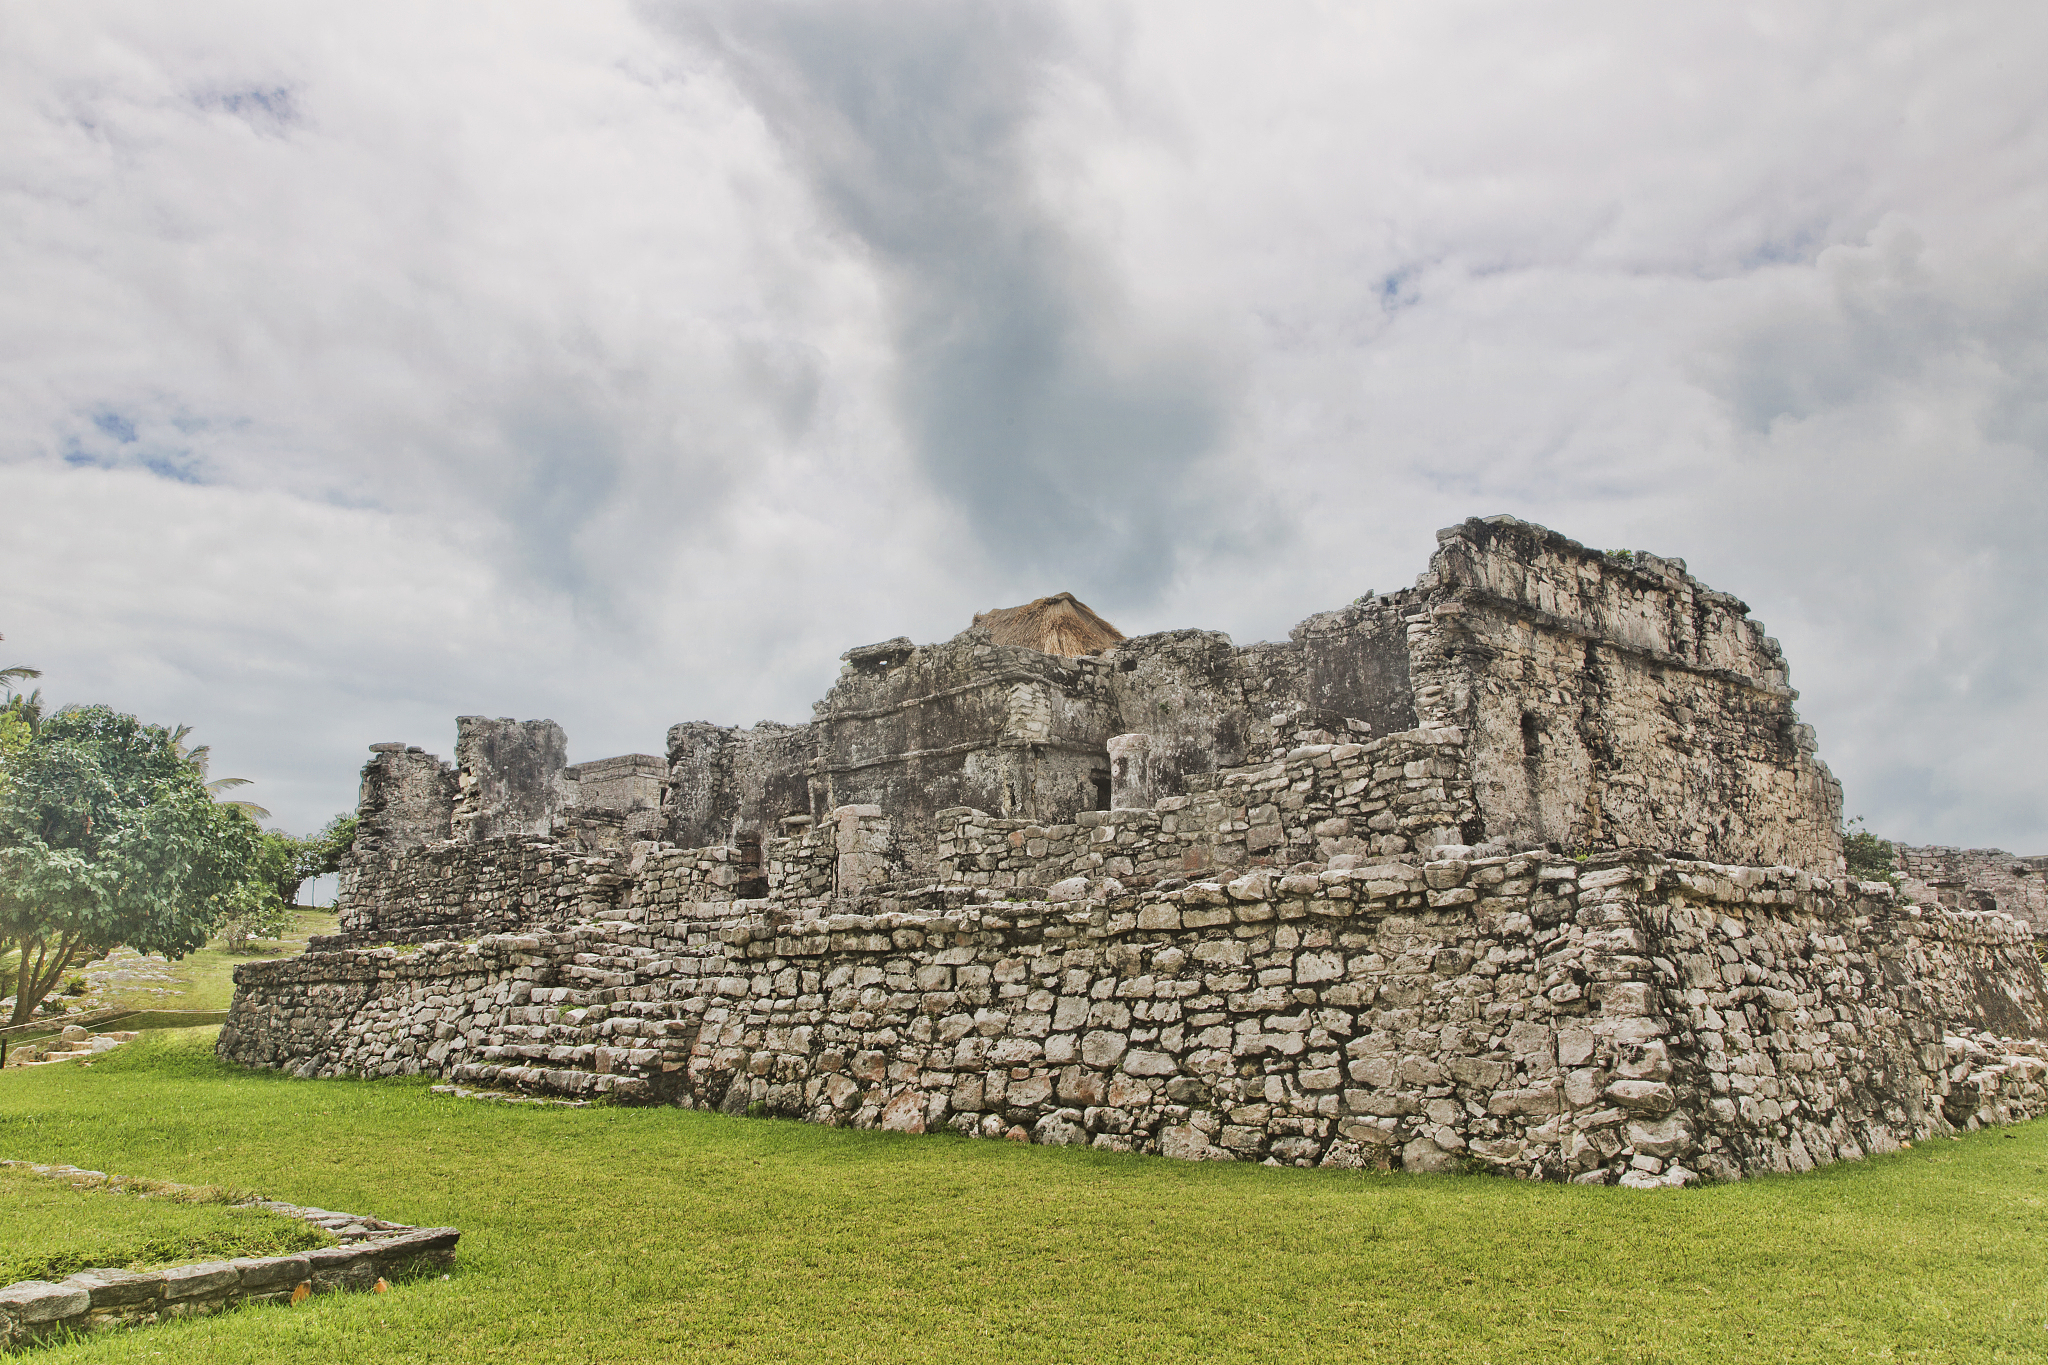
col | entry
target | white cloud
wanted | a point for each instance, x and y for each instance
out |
(626, 363)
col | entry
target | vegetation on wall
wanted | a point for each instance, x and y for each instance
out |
(1869, 858)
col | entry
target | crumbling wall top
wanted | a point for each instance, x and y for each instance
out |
(1629, 598)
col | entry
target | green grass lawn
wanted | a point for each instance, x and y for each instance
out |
(50, 1228)
(202, 980)
(619, 1234)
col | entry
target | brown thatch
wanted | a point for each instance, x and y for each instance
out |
(1060, 624)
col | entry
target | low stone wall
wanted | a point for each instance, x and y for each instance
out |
(452, 890)
(371, 1251)
(1626, 1018)
(1377, 799)
(462, 890)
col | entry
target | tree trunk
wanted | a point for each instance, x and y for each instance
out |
(41, 968)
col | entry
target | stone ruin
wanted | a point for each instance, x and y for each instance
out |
(1985, 879)
(1531, 866)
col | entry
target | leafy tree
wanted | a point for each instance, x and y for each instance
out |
(109, 836)
(283, 863)
(19, 715)
(324, 850)
(262, 906)
(1870, 859)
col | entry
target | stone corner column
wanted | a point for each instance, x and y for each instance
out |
(865, 841)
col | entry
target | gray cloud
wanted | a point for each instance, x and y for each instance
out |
(1885, 407)
(1073, 442)
(625, 364)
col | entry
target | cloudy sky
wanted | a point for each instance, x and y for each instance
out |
(625, 363)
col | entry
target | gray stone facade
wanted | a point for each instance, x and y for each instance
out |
(511, 777)
(408, 799)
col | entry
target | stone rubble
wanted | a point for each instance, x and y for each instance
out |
(74, 1043)
(504, 1097)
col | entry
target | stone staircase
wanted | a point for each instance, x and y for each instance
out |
(600, 1034)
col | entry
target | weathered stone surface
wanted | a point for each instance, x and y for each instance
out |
(1977, 879)
(36, 1301)
(341, 1268)
(1667, 1137)
(1188, 1144)
(112, 1288)
(95, 1299)
(511, 777)
(1642, 1097)
(1487, 653)
(207, 1277)
(269, 1272)
(407, 800)
(1426, 1158)
(1072, 1023)
(904, 1113)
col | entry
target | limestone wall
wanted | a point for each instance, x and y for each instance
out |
(723, 780)
(615, 802)
(1619, 1018)
(1318, 802)
(1207, 705)
(1612, 703)
(464, 890)
(627, 782)
(407, 799)
(917, 728)
(1604, 701)
(512, 777)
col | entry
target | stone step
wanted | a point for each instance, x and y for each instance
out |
(504, 1097)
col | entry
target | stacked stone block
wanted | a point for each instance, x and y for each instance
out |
(463, 890)
(1978, 879)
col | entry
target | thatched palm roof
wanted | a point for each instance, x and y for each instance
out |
(1060, 624)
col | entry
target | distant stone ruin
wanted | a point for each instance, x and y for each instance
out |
(1984, 879)
(1531, 865)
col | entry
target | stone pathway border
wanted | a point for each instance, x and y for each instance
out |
(372, 1251)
